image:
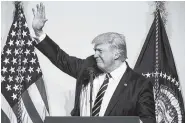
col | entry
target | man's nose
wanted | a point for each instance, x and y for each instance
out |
(95, 54)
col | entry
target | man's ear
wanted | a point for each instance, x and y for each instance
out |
(117, 54)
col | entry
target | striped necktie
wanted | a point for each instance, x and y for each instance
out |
(99, 96)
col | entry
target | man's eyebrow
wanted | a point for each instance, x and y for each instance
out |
(99, 49)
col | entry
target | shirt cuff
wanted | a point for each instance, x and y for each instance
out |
(42, 37)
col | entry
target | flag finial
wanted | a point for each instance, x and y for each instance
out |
(17, 3)
(160, 5)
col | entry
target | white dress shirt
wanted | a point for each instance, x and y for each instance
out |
(98, 81)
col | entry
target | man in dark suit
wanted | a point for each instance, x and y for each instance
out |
(117, 89)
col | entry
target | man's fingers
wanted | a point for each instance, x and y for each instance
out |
(38, 10)
(33, 10)
(44, 11)
(40, 13)
(41, 9)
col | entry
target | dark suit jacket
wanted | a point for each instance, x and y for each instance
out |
(132, 97)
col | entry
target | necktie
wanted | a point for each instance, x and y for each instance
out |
(99, 96)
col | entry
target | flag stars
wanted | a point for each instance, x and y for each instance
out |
(173, 80)
(21, 78)
(177, 83)
(32, 60)
(33, 53)
(10, 78)
(15, 24)
(30, 69)
(23, 69)
(10, 42)
(17, 78)
(161, 74)
(12, 33)
(156, 74)
(2, 78)
(38, 70)
(8, 87)
(4, 70)
(24, 33)
(12, 70)
(25, 60)
(179, 88)
(27, 52)
(6, 61)
(22, 42)
(16, 87)
(164, 75)
(29, 43)
(21, 15)
(14, 60)
(28, 78)
(148, 75)
(17, 42)
(169, 77)
(25, 24)
(16, 52)
(8, 51)
(14, 96)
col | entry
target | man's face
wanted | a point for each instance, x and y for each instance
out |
(104, 56)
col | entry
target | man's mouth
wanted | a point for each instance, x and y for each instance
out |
(98, 61)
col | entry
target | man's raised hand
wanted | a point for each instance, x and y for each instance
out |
(39, 19)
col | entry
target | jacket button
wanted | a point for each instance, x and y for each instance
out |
(125, 84)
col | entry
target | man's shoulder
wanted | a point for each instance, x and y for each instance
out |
(89, 61)
(135, 74)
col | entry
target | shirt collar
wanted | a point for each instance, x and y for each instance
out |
(119, 71)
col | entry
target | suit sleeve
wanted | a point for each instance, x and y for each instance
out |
(68, 64)
(146, 104)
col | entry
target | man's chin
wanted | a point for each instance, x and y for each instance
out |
(100, 67)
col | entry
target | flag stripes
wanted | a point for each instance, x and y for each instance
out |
(31, 108)
(41, 109)
(41, 88)
(5, 118)
(7, 110)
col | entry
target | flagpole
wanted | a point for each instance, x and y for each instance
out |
(160, 8)
(18, 7)
(156, 85)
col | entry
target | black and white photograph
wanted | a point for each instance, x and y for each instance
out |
(109, 61)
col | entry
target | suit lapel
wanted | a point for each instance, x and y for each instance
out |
(120, 89)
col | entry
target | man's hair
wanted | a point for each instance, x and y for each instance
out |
(114, 39)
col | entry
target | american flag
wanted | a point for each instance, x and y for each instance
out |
(23, 94)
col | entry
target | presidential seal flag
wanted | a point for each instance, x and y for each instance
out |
(23, 94)
(156, 62)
